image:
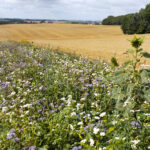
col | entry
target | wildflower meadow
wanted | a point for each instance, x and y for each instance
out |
(50, 100)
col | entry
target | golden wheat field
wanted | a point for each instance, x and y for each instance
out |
(87, 40)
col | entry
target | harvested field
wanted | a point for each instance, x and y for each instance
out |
(87, 40)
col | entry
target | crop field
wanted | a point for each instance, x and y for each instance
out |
(86, 40)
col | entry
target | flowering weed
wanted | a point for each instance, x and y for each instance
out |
(52, 100)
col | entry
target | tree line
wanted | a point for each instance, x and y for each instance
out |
(23, 21)
(11, 21)
(138, 23)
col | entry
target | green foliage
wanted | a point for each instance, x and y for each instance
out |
(53, 100)
(137, 53)
(145, 54)
(111, 20)
(137, 42)
(114, 62)
(138, 23)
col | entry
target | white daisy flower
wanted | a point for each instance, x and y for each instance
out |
(102, 114)
(95, 130)
(102, 134)
(91, 142)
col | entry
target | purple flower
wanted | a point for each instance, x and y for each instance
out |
(16, 139)
(108, 141)
(75, 148)
(56, 106)
(5, 85)
(81, 80)
(10, 136)
(88, 85)
(135, 124)
(84, 88)
(51, 111)
(85, 128)
(32, 148)
(86, 94)
(12, 130)
(103, 85)
(23, 65)
(62, 104)
(96, 81)
(21, 129)
(3, 60)
(30, 79)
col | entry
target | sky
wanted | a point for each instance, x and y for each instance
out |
(69, 9)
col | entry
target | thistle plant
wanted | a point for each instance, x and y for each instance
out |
(137, 52)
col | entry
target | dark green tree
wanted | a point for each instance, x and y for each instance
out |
(138, 23)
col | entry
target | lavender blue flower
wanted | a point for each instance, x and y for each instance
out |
(84, 88)
(135, 124)
(21, 129)
(17, 139)
(3, 60)
(56, 106)
(85, 128)
(88, 85)
(32, 148)
(75, 148)
(103, 85)
(12, 130)
(4, 85)
(10, 136)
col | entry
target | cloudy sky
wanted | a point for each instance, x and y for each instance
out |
(68, 9)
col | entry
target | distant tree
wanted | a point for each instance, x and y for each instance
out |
(125, 23)
(111, 20)
(132, 23)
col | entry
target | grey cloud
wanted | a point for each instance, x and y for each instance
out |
(69, 9)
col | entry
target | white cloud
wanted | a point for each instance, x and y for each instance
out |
(69, 9)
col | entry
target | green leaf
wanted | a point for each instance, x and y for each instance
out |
(130, 88)
(145, 54)
(117, 94)
(114, 62)
(111, 129)
(147, 95)
(144, 76)
(131, 51)
(140, 49)
(128, 62)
